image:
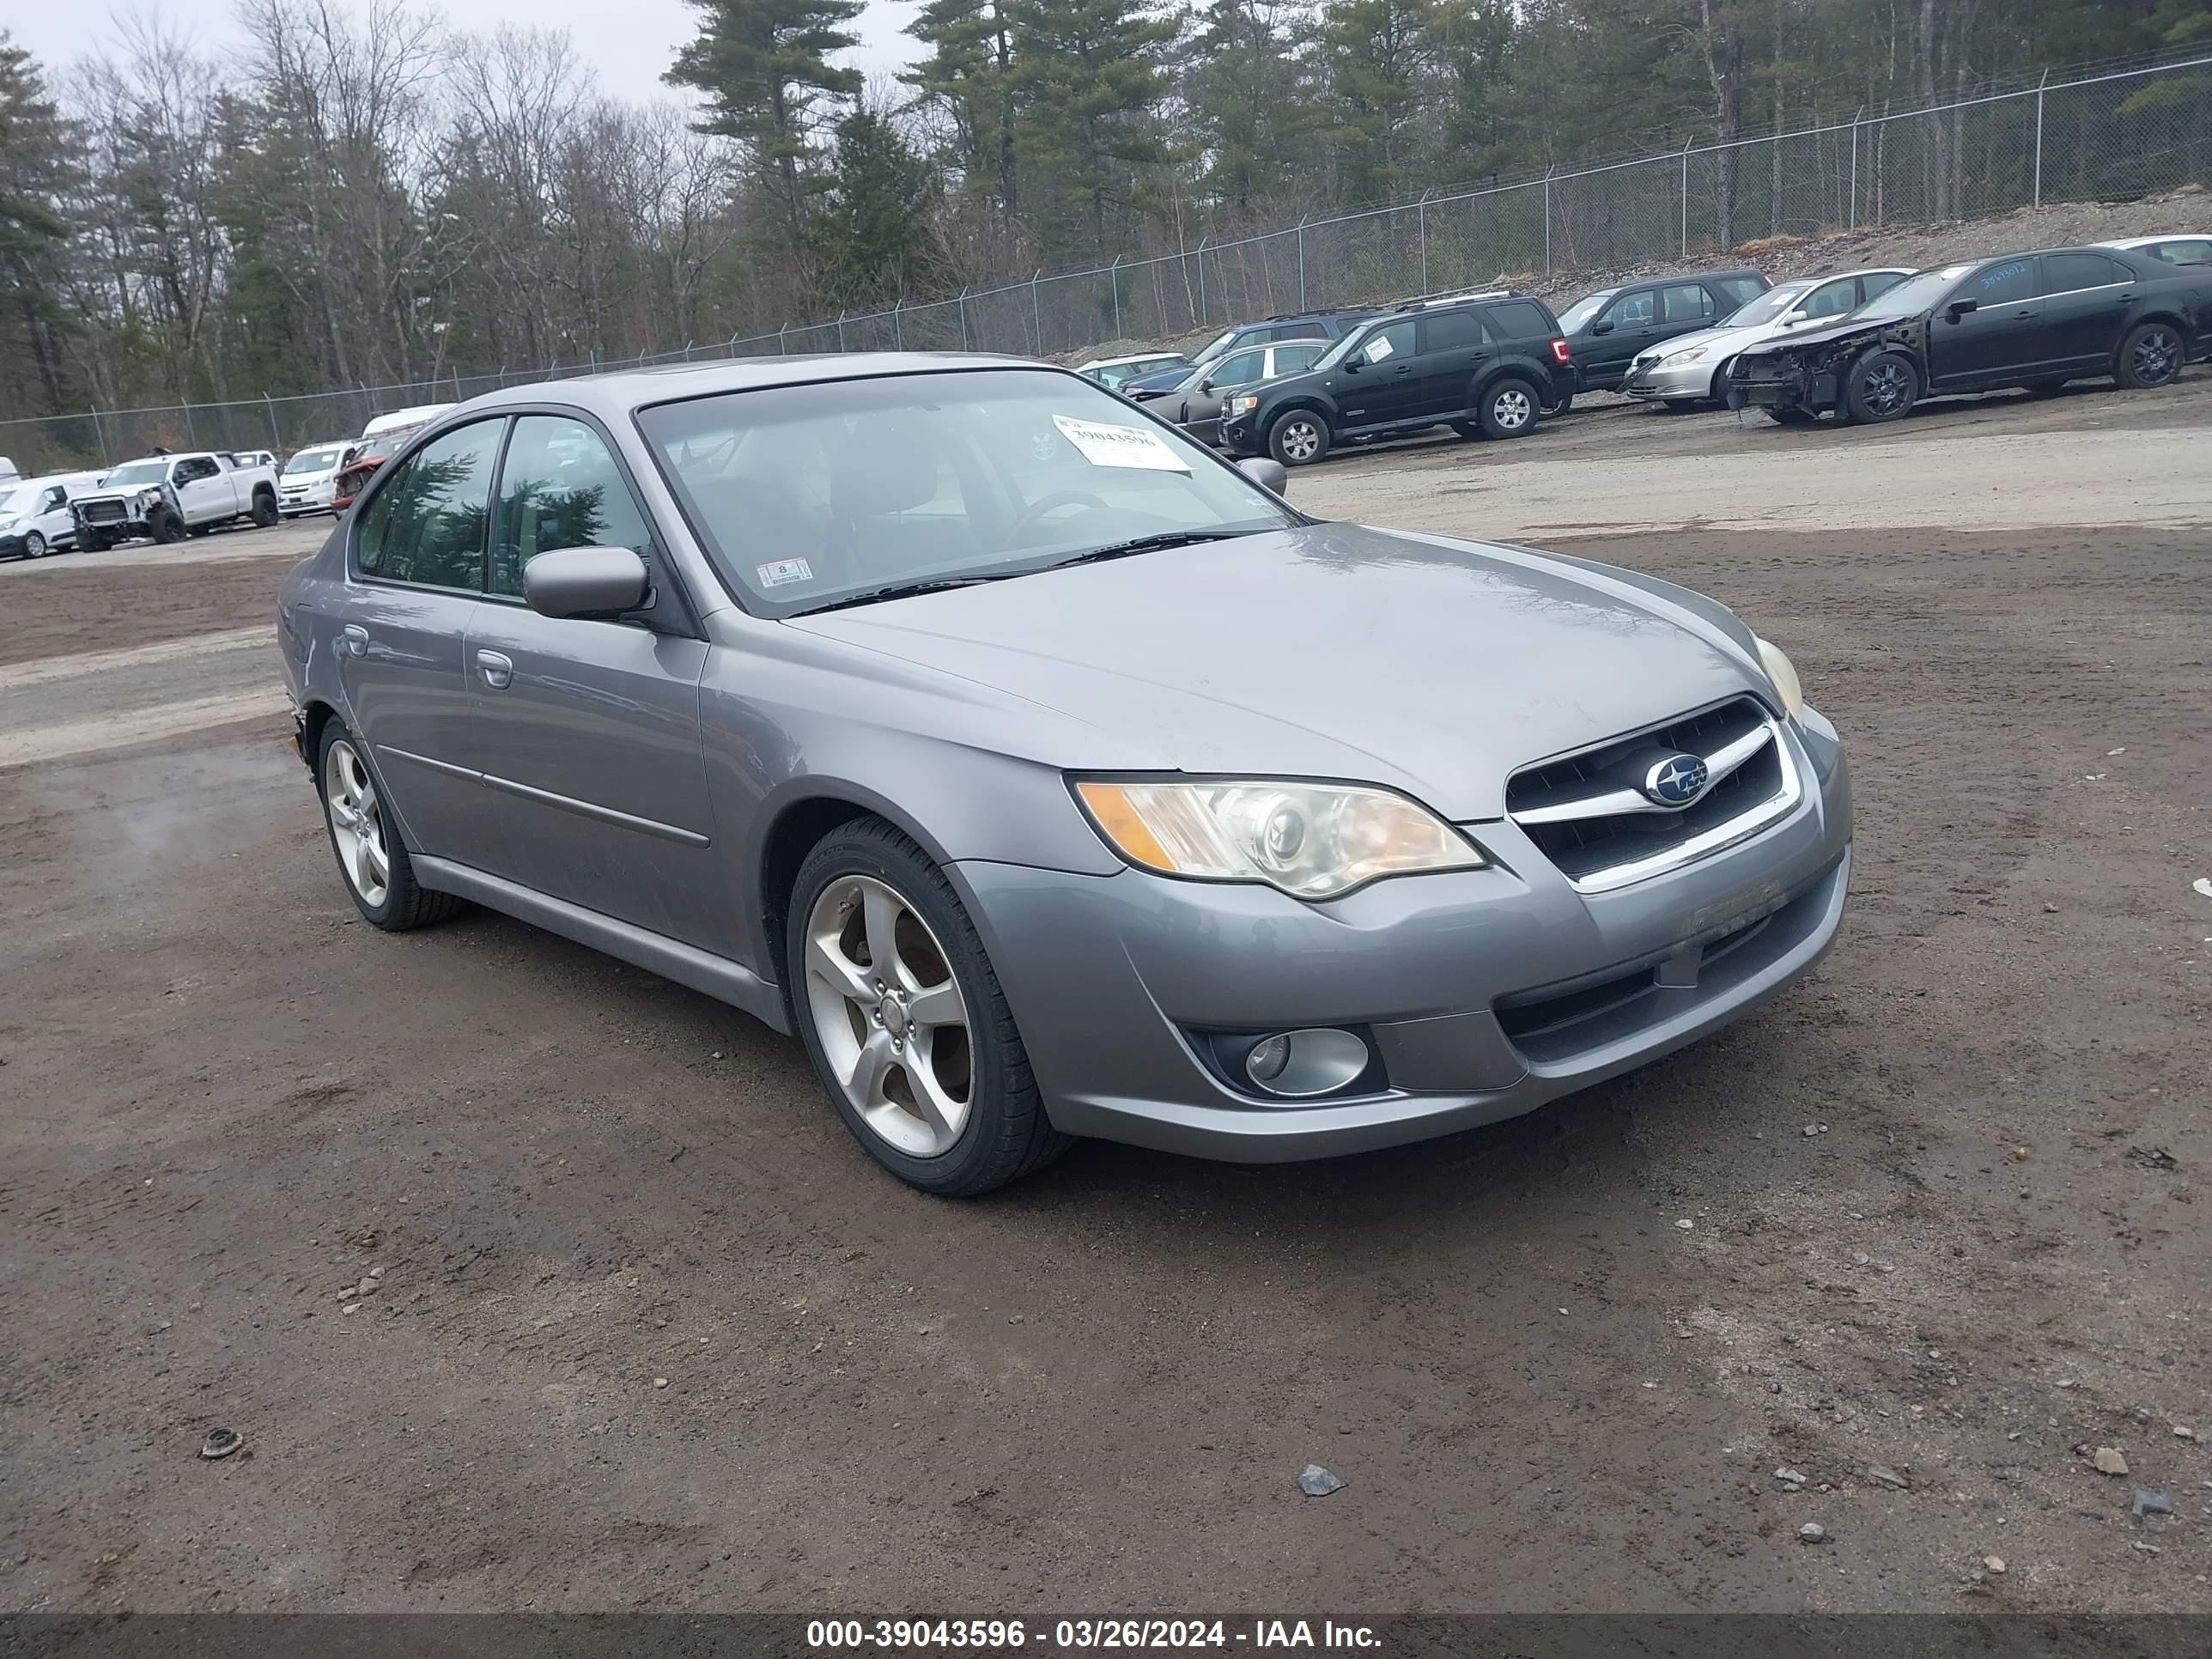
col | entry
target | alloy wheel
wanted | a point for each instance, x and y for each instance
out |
(1511, 409)
(356, 823)
(890, 1017)
(1301, 439)
(34, 546)
(1889, 384)
(2156, 356)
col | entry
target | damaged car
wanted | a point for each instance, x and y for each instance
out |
(2035, 320)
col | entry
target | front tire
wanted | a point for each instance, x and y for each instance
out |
(163, 526)
(1882, 386)
(380, 877)
(902, 1014)
(2151, 356)
(1299, 439)
(1793, 415)
(1509, 409)
(34, 546)
(264, 511)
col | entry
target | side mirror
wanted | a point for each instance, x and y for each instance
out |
(1350, 365)
(1793, 320)
(1266, 473)
(1958, 308)
(1601, 328)
(585, 582)
(1205, 388)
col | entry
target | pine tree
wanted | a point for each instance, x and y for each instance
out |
(1376, 58)
(1088, 83)
(1250, 103)
(877, 234)
(764, 65)
(968, 75)
(35, 150)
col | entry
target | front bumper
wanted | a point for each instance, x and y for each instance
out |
(11, 547)
(1485, 992)
(1655, 382)
(307, 498)
(1779, 383)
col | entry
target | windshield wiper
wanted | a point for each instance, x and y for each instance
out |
(905, 590)
(1150, 543)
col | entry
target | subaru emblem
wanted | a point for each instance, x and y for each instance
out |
(1676, 782)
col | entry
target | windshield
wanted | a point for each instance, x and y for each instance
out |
(136, 472)
(1767, 306)
(18, 503)
(1578, 315)
(1214, 348)
(313, 460)
(1914, 294)
(807, 495)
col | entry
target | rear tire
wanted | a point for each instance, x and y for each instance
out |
(1299, 439)
(955, 1115)
(1882, 385)
(2151, 356)
(1553, 411)
(1510, 408)
(380, 877)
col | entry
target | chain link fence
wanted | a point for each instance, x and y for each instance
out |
(2105, 137)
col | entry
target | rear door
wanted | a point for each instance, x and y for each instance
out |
(1454, 347)
(590, 730)
(417, 578)
(2088, 301)
(2002, 335)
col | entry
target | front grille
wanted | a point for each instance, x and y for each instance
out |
(1588, 814)
(104, 512)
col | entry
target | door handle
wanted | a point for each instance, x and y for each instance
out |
(1403, 368)
(497, 670)
(2023, 314)
(355, 639)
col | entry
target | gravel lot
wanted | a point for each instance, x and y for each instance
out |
(1934, 1211)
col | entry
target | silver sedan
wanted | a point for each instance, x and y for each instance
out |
(1687, 370)
(1047, 774)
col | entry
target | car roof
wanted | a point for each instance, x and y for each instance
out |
(2124, 243)
(1139, 357)
(618, 392)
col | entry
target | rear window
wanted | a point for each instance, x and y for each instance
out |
(1520, 319)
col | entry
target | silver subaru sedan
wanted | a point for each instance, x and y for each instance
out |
(1047, 775)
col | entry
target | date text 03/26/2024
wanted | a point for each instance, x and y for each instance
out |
(831, 1635)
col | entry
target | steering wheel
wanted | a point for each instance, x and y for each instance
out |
(1034, 512)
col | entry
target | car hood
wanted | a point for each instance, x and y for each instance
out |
(1845, 329)
(1430, 666)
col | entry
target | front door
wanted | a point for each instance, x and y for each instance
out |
(1378, 383)
(1631, 324)
(204, 489)
(2002, 335)
(418, 564)
(2087, 302)
(590, 730)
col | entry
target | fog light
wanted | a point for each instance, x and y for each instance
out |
(1299, 1065)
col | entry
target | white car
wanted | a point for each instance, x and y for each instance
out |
(1111, 372)
(34, 514)
(309, 480)
(1687, 370)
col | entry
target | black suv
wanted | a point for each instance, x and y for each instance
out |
(1607, 330)
(1485, 366)
(1301, 325)
(2035, 319)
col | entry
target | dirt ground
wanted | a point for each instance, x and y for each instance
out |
(1935, 1211)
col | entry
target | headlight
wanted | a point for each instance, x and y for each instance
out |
(1243, 405)
(1784, 673)
(1312, 841)
(1689, 356)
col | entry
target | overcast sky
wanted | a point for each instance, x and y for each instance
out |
(630, 42)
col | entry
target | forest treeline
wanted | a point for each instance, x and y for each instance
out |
(359, 195)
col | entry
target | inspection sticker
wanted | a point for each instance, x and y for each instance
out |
(1119, 446)
(783, 573)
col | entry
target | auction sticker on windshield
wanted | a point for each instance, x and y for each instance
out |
(1119, 446)
(782, 572)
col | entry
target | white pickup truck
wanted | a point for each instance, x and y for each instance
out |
(169, 497)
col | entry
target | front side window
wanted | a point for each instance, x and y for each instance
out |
(2004, 283)
(427, 524)
(813, 494)
(1392, 340)
(1633, 310)
(192, 470)
(560, 488)
(1685, 302)
(1239, 369)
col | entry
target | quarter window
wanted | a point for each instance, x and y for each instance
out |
(2065, 273)
(560, 488)
(2187, 252)
(1685, 302)
(427, 524)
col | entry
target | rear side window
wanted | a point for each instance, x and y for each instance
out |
(1740, 288)
(560, 488)
(1298, 358)
(1447, 330)
(1685, 302)
(2063, 273)
(2002, 283)
(427, 524)
(1831, 298)
(1296, 332)
(1520, 319)
(1879, 282)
